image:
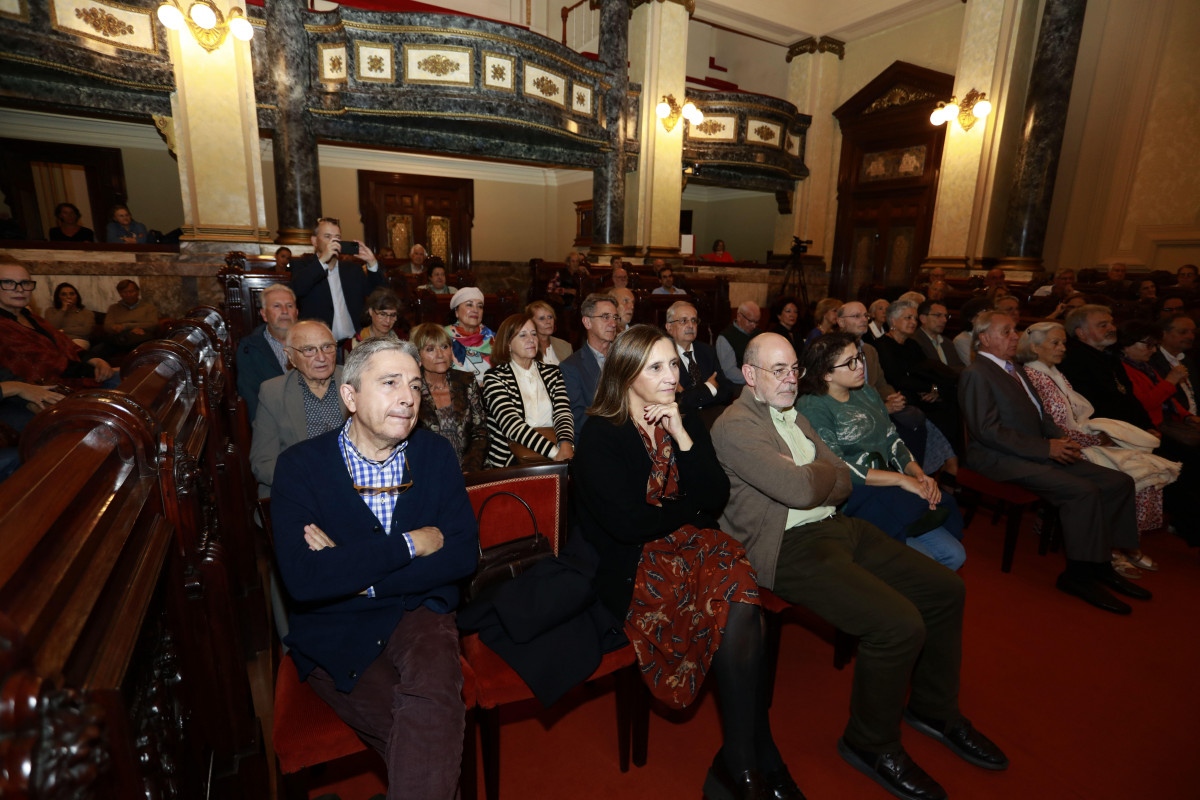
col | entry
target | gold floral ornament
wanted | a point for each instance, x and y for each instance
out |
(103, 22)
(335, 64)
(438, 64)
(546, 86)
(498, 72)
(765, 133)
(375, 63)
(710, 127)
(580, 99)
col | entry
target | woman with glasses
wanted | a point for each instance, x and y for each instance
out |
(381, 314)
(451, 401)
(528, 412)
(647, 494)
(890, 489)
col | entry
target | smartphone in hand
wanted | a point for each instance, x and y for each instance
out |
(349, 248)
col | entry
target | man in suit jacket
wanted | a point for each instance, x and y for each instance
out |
(373, 569)
(1178, 336)
(1094, 372)
(1013, 439)
(581, 372)
(330, 291)
(701, 382)
(934, 345)
(785, 487)
(262, 355)
(299, 405)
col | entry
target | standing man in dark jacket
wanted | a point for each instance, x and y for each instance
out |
(329, 290)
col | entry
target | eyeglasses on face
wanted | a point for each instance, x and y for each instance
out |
(850, 364)
(781, 372)
(386, 314)
(310, 350)
(12, 286)
(685, 320)
(753, 320)
(606, 317)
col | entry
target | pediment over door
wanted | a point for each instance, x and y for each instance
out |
(902, 87)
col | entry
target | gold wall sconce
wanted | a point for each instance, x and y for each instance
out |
(669, 111)
(206, 22)
(973, 108)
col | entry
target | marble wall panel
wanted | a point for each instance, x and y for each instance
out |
(442, 64)
(499, 72)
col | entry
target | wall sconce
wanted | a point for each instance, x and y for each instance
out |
(207, 23)
(669, 111)
(974, 107)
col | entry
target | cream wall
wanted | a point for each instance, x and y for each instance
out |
(752, 64)
(931, 41)
(745, 220)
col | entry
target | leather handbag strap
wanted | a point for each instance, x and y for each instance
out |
(489, 498)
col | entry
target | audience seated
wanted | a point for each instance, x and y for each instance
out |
(564, 286)
(1115, 285)
(1177, 336)
(1069, 304)
(891, 491)
(437, 278)
(300, 405)
(1062, 287)
(1094, 371)
(732, 342)
(416, 260)
(122, 229)
(648, 490)
(328, 290)
(1168, 306)
(283, 259)
(619, 277)
(451, 400)
(68, 228)
(528, 412)
(472, 339)
(261, 355)
(666, 280)
(826, 315)
(581, 372)
(701, 383)
(1012, 438)
(785, 487)
(718, 253)
(785, 320)
(373, 629)
(964, 341)
(1041, 349)
(933, 317)
(1185, 287)
(877, 326)
(32, 349)
(131, 321)
(380, 315)
(70, 316)
(1147, 301)
(551, 349)
(626, 305)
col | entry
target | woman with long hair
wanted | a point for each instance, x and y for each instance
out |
(70, 315)
(648, 490)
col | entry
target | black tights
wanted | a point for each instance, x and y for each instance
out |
(741, 671)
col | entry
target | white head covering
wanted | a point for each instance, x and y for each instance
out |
(465, 294)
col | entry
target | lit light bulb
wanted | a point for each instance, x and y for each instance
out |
(170, 17)
(698, 117)
(951, 111)
(935, 117)
(662, 110)
(688, 111)
(982, 109)
(203, 16)
(240, 27)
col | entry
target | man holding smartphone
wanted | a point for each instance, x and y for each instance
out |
(329, 292)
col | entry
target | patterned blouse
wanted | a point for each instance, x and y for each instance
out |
(463, 422)
(1059, 408)
(858, 431)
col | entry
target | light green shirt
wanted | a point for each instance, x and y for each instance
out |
(803, 452)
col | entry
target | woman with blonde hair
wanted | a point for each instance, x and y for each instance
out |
(551, 349)
(647, 493)
(451, 401)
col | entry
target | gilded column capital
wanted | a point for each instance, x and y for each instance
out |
(826, 44)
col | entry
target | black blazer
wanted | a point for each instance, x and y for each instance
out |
(310, 281)
(609, 474)
(695, 397)
(1101, 378)
(1159, 362)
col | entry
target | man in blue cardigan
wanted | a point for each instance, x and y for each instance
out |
(373, 529)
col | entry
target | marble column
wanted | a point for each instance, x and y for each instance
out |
(294, 144)
(608, 181)
(1045, 119)
(215, 120)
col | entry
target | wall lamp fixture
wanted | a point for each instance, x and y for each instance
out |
(669, 111)
(206, 22)
(974, 107)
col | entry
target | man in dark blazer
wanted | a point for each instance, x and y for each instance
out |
(1094, 372)
(581, 372)
(330, 291)
(374, 568)
(702, 384)
(1178, 336)
(932, 317)
(261, 355)
(1012, 439)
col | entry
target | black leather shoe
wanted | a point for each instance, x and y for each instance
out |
(720, 784)
(1109, 577)
(896, 772)
(961, 737)
(778, 785)
(1091, 592)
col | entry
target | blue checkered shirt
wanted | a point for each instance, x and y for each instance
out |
(377, 474)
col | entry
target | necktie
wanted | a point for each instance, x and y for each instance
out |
(937, 345)
(692, 368)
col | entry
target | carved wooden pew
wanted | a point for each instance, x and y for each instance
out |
(121, 651)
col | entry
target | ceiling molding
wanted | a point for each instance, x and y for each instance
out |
(850, 30)
(43, 127)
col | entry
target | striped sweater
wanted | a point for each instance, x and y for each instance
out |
(506, 413)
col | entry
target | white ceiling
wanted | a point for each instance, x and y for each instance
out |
(785, 22)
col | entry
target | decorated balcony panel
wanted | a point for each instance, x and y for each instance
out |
(748, 141)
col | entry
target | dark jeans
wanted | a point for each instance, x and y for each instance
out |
(408, 706)
(906, 608)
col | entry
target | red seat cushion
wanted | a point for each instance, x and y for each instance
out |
(496, 683)
(985, 485)
(772, 602)
(505, 518)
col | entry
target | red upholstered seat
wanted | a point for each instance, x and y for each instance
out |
(499, 684)
(1013, 502)
(307, 732)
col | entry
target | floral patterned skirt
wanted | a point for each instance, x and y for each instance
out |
(681, 595)
(1149, 504)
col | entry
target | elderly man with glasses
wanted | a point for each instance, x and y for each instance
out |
(731, 342)
(786, 485)
(581, 371)
(374, 570)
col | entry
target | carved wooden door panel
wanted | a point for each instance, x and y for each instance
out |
(400, 210)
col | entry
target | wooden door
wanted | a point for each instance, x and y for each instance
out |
(401, 210)
(883, 234)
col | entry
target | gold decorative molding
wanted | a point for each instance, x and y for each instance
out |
(103, 22)
(765, 133)
(166, 128)
(800, 48)
(438, 64)
(547, 87)
(15, 9)
(375, 62)
(898, 95)
(498, 72)
(602, 145)
(826, 44)
(331, 56)
(711, 127)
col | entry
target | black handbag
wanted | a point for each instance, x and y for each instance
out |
(503, 562)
